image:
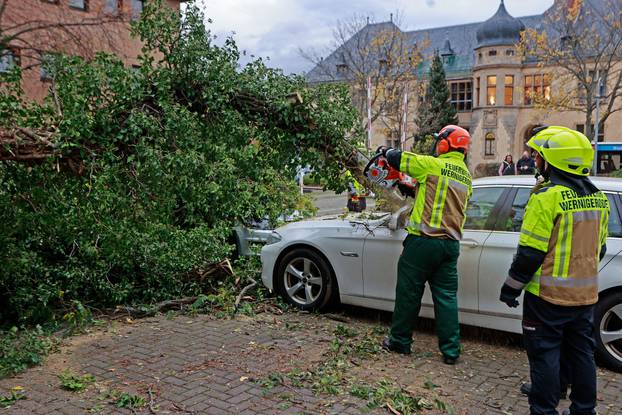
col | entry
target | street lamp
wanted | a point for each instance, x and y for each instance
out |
(599, 95)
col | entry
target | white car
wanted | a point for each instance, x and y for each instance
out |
(354, 261)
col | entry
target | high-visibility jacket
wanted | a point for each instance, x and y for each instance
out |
(354, 186)
(571, 230)
(443, 190)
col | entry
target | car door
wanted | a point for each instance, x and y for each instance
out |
(498, 254)
(501, 246)
(382, 250)
(614, 242)
(383, 247)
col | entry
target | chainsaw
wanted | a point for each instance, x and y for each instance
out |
(379, 171)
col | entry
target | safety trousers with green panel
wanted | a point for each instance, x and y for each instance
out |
(431, 260)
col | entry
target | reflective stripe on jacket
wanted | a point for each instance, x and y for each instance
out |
(571, 229)
(353, 185)
(443, 190)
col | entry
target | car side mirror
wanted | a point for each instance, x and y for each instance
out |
(399, 218)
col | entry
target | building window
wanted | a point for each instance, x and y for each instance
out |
(462, 95)
(489, 144)
(78, 4)
(601, 130)
(137, 8)
(593, 77)
(491, 90)
(8, 60)
(537, 87)
(477, 90)
(113, 6)
(602, 88)
(509, 52)
(509, 90)
(492, 53)
(479, 57)
(342, 69)
(45, 73)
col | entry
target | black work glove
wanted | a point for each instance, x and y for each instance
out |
(405, 190)
(509, 296)
(383, 150)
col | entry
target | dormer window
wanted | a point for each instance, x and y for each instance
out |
(342, 68)
(565, 41)
(383, 65)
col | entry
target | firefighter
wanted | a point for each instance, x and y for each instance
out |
(563, 237)
(432, 246)
(357, 200)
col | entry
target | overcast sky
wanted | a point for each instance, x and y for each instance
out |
(278, 28)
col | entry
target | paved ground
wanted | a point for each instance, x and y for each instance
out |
(330, 203)
(294, 363)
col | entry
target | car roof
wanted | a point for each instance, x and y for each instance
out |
(604, 183)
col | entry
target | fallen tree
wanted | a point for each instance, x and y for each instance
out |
(125, 183)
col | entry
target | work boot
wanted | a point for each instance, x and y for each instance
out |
(388, 346)
(449, 360)
(525, 389)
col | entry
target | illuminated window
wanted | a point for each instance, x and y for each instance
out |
(537, 87)
(491, 90)
(489, 144)
(462, 95)
(509, 90)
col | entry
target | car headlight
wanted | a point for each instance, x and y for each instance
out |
(273, 238)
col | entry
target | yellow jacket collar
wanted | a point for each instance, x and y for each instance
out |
(452, 155)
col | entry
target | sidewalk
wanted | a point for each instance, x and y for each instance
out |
(268, 364)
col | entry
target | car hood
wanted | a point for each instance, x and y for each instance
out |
(336, 221)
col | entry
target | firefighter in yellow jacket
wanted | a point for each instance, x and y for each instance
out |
(562, 240)
(432, 246)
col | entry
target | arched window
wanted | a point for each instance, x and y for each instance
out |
(489, 144)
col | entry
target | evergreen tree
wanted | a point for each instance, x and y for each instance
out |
(435, 111)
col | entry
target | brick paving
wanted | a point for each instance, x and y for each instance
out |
(203, 365)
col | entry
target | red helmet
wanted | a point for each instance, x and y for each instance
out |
(452, 137)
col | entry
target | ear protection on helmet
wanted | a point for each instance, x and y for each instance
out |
(442, 144)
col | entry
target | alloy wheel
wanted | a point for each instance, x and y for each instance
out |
(303, 281)
(611, 331)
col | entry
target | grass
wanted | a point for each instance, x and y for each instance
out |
(23, 348)
(14, 396)
(127, 400)
(75, 383)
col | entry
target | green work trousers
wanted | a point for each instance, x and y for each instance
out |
(434, 261)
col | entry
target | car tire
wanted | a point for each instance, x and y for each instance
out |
(608, 319)
(305, 280)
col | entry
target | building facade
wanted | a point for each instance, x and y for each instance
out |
(493, 88)
(36, 29)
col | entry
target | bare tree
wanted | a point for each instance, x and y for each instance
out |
(379, 52)
(31, 29)
(582, 43)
